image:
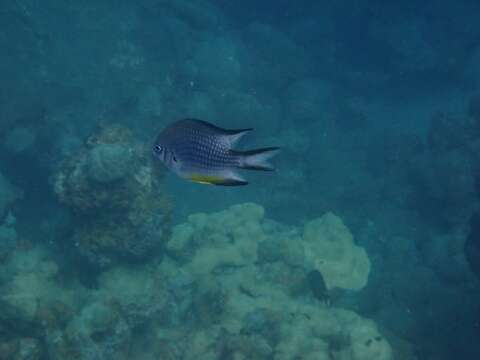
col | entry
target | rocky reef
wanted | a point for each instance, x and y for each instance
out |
(116, 196)
(221, 291)
(331, 250)
(257, 269)
(445, 191)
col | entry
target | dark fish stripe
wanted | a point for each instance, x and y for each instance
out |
(253, 152)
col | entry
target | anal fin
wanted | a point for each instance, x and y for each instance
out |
(228, 178)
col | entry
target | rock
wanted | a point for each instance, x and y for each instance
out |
(8, 349)
(21, 349)
(233, 242)
(112, 183)
(29, 349)
(282, 246)
(367, 343)
(444, 182)
(96, 318)
(138, 293)
(330, 248)
(109, 162)
(259, 321)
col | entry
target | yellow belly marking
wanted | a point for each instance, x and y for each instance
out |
(206, 179)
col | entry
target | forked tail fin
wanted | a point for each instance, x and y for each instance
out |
(257, 159)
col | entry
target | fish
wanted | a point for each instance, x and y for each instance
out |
(201, 152)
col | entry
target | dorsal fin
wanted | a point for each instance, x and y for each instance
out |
(235, 136)
(231, 136)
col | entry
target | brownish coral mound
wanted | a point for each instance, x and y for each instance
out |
(116, 193)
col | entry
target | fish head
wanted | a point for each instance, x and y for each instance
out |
(166, 156)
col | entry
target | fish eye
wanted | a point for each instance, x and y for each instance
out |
(158, 148)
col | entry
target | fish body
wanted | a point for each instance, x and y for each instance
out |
(202, 152)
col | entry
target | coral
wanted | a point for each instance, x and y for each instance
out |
(32, 288)
(109, 162)
(116, 191)
(140, 294)
(75, 342)
(221, 295)
(105, 327)
(21, 349)
(34, 303)
(281, 244)
(233, 241)
(444, 181)
(366, 341)
(129, 304)
(330, 248)
(444, 177)
(245, 274)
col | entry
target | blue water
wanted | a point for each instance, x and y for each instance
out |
(376, 106)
